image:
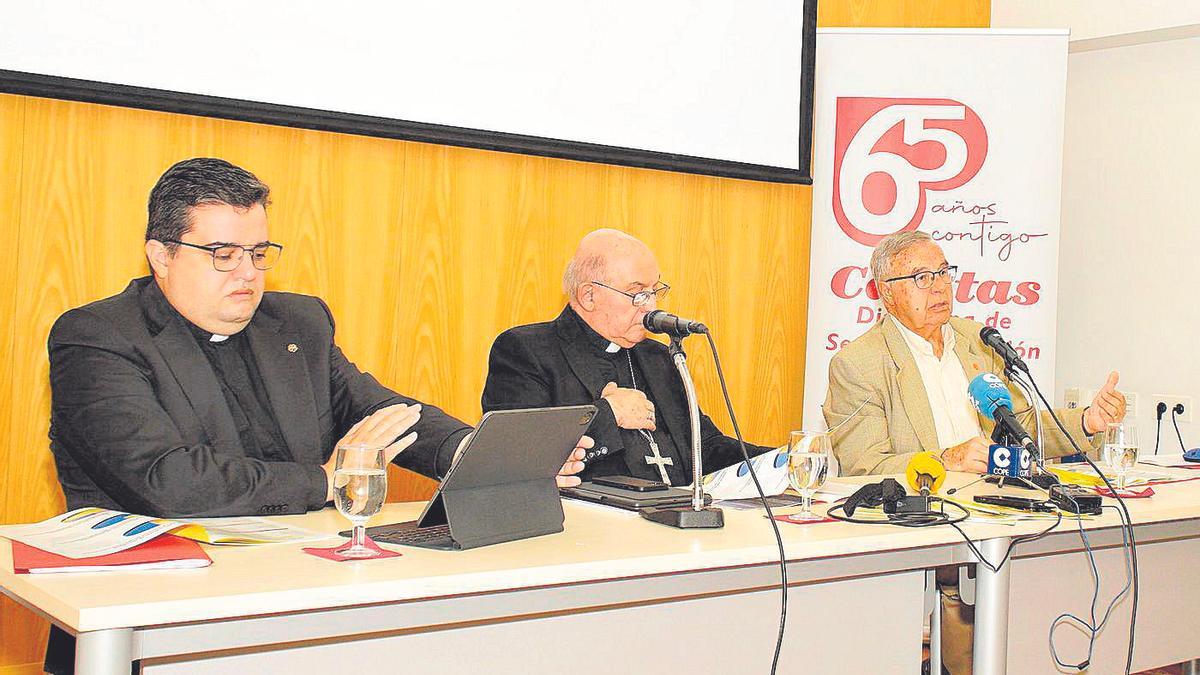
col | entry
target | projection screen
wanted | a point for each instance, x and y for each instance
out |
(720, 87)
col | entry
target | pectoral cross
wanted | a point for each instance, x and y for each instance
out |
(656, 459)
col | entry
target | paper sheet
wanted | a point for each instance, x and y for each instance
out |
(1083, 474)
(88, 532)
(734, 482)
(1166, 459)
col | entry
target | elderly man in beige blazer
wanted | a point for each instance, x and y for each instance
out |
(901, 388)
(909, 375)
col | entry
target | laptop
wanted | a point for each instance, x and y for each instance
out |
(501, 487)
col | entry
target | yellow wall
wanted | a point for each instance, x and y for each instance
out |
(423, 252)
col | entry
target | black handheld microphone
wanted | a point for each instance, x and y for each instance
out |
(992, 338)
(659, 321)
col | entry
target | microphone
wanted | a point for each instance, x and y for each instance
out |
(925, 473)
(992, 400)
(992, 338)
(659, 321)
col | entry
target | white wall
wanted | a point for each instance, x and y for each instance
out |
(1091, 19)
(1129, 270)
(1129, 261)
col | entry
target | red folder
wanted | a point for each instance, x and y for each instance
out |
(163, 552)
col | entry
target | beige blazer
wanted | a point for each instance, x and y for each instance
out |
(896, 422)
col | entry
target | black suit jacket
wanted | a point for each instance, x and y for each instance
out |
(139, 423)
(550, 364)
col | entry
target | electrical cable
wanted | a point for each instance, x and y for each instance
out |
(1126, 523)
(942, 518)
(1159, 411)
(918, 519)
(783, 582)
(1092, 627)
(1182, 447)
(1011, 544)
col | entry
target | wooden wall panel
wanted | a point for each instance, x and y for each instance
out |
(425, 253)
(905, 13)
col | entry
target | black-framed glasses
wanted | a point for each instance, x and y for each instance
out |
(925, 279)
(227, 257)
(641, 297)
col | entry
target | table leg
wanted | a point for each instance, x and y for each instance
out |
(104, 652)
(935, 634)
(991, 610)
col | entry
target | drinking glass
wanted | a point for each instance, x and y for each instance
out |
(809, 453)
(1120, 449)
(359, 489)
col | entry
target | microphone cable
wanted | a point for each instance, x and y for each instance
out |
(783, 582)
(915, 519)
(1092, 628)
(995, 567)
(1126, 524)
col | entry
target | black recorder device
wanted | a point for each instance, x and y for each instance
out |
(1073, 499)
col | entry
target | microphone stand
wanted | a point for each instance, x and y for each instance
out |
(697, 515)
(1039, 475)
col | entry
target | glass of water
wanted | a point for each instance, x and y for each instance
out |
(1120, 449)
(359, 489)
(809, 453)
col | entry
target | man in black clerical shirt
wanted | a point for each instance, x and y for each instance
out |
(596, 351)
(194, 392)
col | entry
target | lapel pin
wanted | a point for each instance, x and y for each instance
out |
(293, 347)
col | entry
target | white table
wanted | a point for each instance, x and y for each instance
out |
(1050, 576)
(614, 590)
(611, 591)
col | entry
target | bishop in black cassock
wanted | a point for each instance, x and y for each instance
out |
(568, 362)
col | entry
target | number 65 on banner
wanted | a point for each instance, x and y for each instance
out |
(889, 152)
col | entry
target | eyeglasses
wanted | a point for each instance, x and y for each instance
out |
(925, 279)
(227, 257)
(641, 297)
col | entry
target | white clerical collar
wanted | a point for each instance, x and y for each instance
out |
(218, 338)
(612, 348)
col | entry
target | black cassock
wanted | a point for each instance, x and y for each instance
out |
(565, 362)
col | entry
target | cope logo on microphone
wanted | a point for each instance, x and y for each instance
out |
(890, 152)
(1008, 461)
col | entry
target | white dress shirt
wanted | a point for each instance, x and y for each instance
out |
(946, 385)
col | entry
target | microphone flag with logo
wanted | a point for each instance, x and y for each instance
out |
(992, 400)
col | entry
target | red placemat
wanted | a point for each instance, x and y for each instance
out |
(335, 553)
(1127, 493)
(795, 521)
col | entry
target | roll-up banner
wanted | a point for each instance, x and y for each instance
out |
(957, 133)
